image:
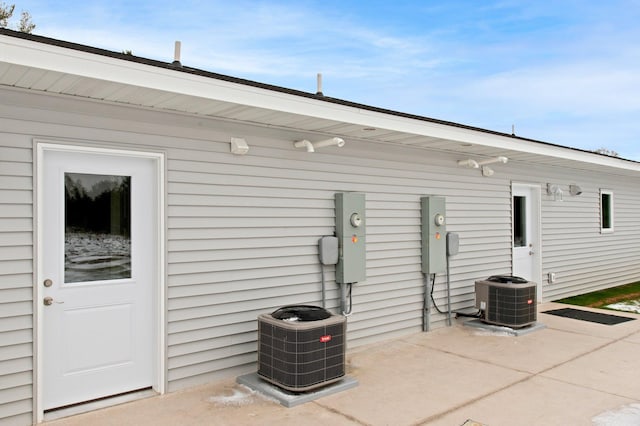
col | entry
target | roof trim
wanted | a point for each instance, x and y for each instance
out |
(91, 62)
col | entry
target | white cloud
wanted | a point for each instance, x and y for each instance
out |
(572, 87)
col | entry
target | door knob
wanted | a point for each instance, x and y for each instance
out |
(47, 301)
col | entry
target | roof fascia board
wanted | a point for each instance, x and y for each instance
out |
(38, 55)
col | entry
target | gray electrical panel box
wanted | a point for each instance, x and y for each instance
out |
(351, 233)
(434, 231)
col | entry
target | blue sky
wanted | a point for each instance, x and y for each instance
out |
(565, 72)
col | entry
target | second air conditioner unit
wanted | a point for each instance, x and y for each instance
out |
(507, 301)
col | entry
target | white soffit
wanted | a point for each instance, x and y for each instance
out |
(40, 66)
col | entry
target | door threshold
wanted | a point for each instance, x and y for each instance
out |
(97, 404)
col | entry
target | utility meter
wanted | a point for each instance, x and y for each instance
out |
(351, 232)
(356, 220)
(433, 232)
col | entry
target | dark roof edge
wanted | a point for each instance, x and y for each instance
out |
(223, 77)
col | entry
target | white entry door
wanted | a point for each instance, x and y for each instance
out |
(98, 269)
(525, 233)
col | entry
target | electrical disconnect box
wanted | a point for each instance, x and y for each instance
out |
(453, 243)
(351, 232)
(434, 245)
(328, 250)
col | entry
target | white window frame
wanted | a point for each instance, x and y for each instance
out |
(608, 230)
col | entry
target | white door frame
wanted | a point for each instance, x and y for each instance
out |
(41, 145)
(536, 208)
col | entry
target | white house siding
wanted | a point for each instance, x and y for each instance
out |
(242, 231)
(16, 279)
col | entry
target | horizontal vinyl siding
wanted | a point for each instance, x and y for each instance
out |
(583, 258)
(242, 240)
(16, 280)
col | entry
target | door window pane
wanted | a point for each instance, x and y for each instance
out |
(97, 227)
(519, 221)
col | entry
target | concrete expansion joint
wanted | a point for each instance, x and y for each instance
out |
(450, 353)
(604, 345)
(593, 388)
(472, 400)
(579, 333)
(340, 413)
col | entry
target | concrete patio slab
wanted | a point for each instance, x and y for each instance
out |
(612, 369)
(635, 337)
(221, 403)
(402, 383)
(532, 353)
(537, 401)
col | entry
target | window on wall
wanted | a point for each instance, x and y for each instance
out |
(519, 221)
(606, 211)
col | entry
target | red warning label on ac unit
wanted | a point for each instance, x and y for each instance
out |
(326, 338)
(530, 301)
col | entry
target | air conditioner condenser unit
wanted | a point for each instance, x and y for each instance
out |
(507, 301)
(301, 348)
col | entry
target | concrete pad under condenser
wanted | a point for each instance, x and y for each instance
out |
(291, 399)
(476, 323)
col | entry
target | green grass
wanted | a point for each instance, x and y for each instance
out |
(601, 298)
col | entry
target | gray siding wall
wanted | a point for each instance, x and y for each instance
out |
(242, 231)
(583, 258)
(16, 279)
(243, 235)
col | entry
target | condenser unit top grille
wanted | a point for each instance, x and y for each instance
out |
(507, 279)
